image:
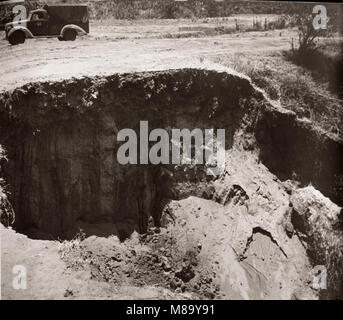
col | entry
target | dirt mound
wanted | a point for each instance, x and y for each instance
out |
(218, 248)
(49, 277)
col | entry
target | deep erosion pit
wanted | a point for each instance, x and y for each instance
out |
(62, 170)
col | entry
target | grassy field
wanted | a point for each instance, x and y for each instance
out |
(313, 93)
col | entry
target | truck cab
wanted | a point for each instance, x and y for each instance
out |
(63, 21)
(38, 22)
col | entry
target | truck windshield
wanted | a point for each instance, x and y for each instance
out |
(37, 16)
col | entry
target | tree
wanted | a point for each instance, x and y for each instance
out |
(308, 33)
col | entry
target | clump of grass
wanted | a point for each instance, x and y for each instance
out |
(308, 99)
(324, 63)
(72, 248)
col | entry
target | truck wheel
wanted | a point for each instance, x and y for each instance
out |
(17, 37)
(69, 35)
(60, 38)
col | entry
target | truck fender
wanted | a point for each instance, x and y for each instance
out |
(27, 32)
(78, 29)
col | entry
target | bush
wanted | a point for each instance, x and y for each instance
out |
(169, 10)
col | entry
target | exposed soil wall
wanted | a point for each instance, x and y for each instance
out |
(62, 147)
(293, 149)
(61, 141)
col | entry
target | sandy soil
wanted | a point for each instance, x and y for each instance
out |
(104, 52)
(253, 256)
(48, 276)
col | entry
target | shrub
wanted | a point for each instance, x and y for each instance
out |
(169, 10)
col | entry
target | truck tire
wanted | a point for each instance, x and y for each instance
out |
(69, 35)
(17, 37)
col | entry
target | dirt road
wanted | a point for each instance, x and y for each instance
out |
(104, 53)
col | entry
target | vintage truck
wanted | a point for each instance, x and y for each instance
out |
(64, 21)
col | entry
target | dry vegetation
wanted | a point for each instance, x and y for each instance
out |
(170, 9)
(311, 89)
